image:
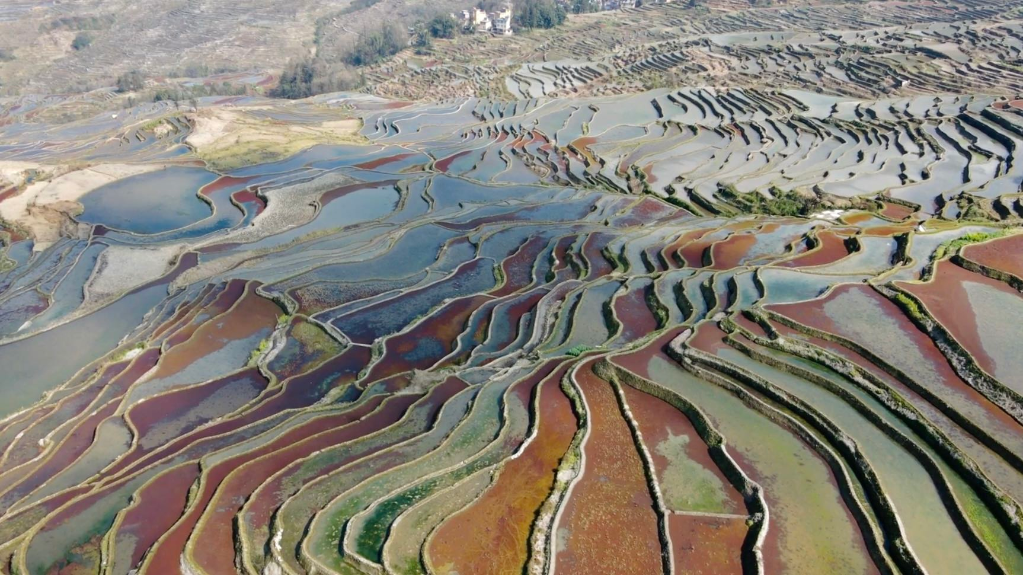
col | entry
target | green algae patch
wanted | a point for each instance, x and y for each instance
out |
(685, 484)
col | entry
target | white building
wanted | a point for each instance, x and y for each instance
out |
(478, 20)
(503, 22)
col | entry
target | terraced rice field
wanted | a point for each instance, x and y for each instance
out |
(529, 336)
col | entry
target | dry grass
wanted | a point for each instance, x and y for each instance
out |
(228, 139)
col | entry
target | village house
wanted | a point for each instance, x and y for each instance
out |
(480, 21)
(476, 19)
(503, 22)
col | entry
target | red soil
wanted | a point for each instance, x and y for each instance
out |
(189, 309)
(224, 183)
(671, 250)
(297, 392)
(591, 250)
(946, 299)
(856, 218)
(224, 302)
(730, 253)
(692, 252)
(345, 190)
(887, 231)
(749, 325)
(706, 544)
(7, 193)
(632, 311)
(561, 251)
(518, 269)
(515, 313)
(896, 211)
(158, 506)
(637, 361)
(374, 164)
(76, 443)
(166, 408)
(831, 249)
(708, 338)
(646, 211)
(445, 164)
(251, 315)
(250, 200)
(41, 423)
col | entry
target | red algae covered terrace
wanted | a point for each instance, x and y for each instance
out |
(503, 515)
(1004, 254)
(980, 313)
(609, 520)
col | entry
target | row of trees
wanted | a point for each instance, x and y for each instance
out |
(312, 76)
(585, 6)
(376, 45)
(309, 77)
(135, 81)
(315, 75)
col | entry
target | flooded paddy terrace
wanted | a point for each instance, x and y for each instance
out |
(574, 331)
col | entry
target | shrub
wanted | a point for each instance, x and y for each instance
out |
(130, 81)
(77, 23)
(357, 5)
(6, 55)
(781, 203)
(911, 309)
(195, 70)
(81, 41)
(953, 246)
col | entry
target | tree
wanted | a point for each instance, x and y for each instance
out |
(423, 44)
(81, 41)
(130, 81)
(543, 14)
(421, 38)
(310, 77)
(443, 26)
(296, 81)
